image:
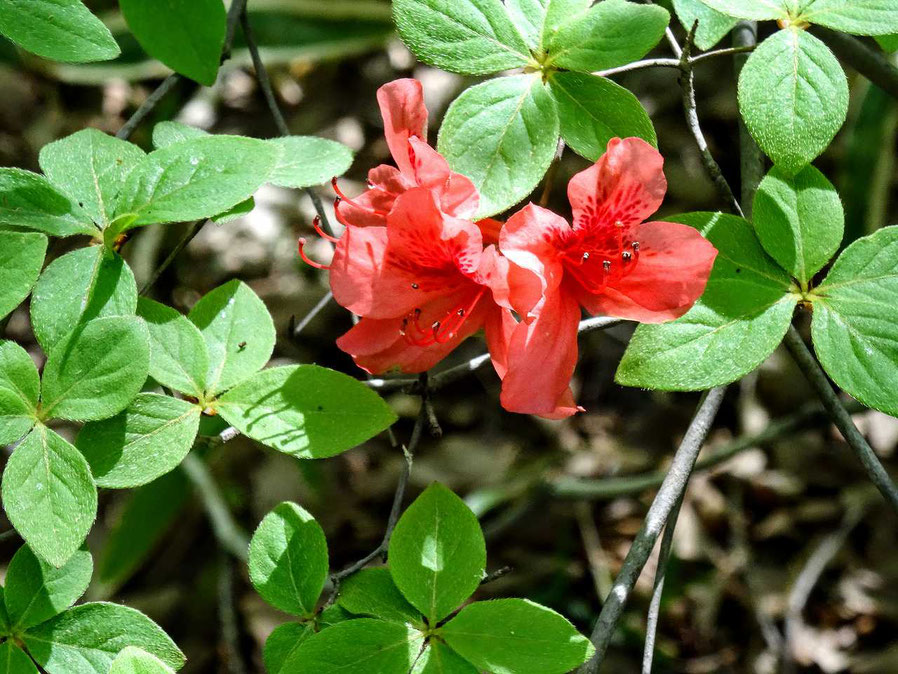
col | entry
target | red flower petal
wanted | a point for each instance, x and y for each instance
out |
(533, 240)
(670, 275)
(378, 345)
(358, 258)
(541, 360)
(626, 185)
(457, 194)
(402, 107)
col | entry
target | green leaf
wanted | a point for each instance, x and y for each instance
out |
(756, 10)
(235, 213)
(537, 20)
(82, 285)
(37, 591)
(196, 179)
(187, 35)
(860, 17)
(29, 201)
(332, 615)
(49, 495)
(238, 332)
(593, 110)
(4, 619)
(136, 661)
(96, 371)
(62, 30)
(19, 392)
(437, 553)
(516, 635)
(306, 161)
(89, 167)
(712, 25)
(363, 645)
(889, 43)
(800, 221)
(612, 33)
(282, 643)
(288, 560)
(372, 592)
(13, 660)
(438, 658)
(21, 260)
(503, 135)
(306, 411)
(793, 96)
(854, 327)
(178, 355)
(86, 639)
(741, 318)
(141, 523)
(169, 133)
(472, 37)
(145, 441)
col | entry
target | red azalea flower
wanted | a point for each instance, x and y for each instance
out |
(610, 262)
(422, 285)
(419, 165)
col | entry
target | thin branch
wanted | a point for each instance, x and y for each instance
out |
(230, 535)
(592, 544)
(687, 82)
(841, 417)
(188, 236)
(671, 490)
(870, 63)
(409, 452)
(453, 374)
(148, 106)
(496, 575)
(262, 77)
(614, 487)
(651, 627)
(297, 329)
(678, 63)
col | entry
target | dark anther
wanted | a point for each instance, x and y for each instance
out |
(607, 265)
(415, 286)
(627, 255)
(635, 245)
(585, 256)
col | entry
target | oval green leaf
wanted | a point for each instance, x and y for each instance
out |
(29, 201)
(136, 661)
(855, 329)
(503, 135)
(372, 592)
(712, 24)
(187, 35)
(61, 30)
(472, 37)
(306, 411)
(37, 591)
(516, 635)
(13, 660)
(799, 220)
(437, 553)
(755, 10)
(238, 332)
(593, 110)
(612, 33)
(741, 318)
(793, 96)
(178, 355)
(82, 285)
(49, 495)
(288, 560)
(860, 17)
(145, 441)
(21, 260)
(196, 179)
(306, 161)
(281, 644)
(87, 639)
(363, 645)
(19, 392)
(97, 370)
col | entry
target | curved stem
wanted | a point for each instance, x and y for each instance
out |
(668, 495)
(840, 416)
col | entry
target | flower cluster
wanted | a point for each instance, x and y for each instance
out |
(424, 275)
